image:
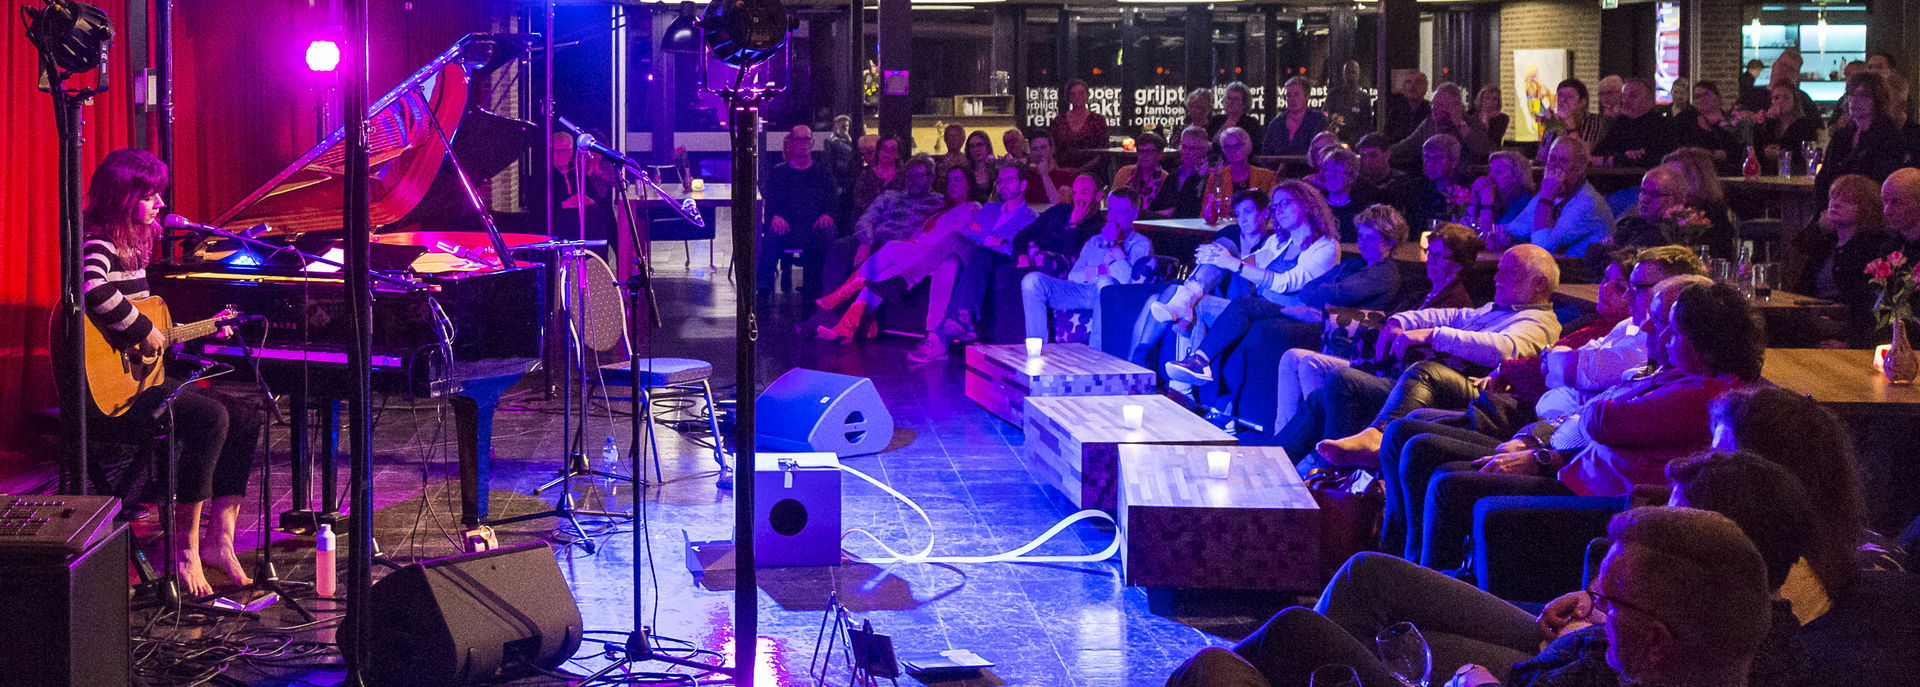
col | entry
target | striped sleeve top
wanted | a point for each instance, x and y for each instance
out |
(107, 286)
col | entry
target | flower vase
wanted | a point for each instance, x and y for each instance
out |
(1899, 363)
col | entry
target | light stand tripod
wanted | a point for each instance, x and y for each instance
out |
(742, 34)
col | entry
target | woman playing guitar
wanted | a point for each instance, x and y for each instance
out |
(216, 434)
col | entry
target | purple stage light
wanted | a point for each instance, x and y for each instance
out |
(323, 56)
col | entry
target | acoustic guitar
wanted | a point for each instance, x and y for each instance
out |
(116, 377)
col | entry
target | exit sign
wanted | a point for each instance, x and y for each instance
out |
(1609, 4)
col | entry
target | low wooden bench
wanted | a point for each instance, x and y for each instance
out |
(1001, 377)
(1256, 529)
(1075, 441)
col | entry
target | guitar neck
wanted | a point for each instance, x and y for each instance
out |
(192, 330)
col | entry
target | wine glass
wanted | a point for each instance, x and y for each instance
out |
(1405, 652)
(1334, 675)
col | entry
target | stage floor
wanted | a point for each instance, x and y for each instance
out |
(1043, 624)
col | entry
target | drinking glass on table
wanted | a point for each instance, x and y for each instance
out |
(1334, 675)
(1763, 278)
(1406, 653)
(1722, 270)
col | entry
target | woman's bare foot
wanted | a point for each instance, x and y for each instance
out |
(220, 556)
(193, 582)
(1361, 449)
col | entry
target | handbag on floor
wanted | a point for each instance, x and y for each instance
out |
(1352, 503)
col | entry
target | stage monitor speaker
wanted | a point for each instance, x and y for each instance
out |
(796, 509)
(65, 617)
(468, 619)
(813, 411)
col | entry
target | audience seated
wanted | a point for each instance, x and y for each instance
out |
(1567, 216)
(1107, 258)
(1706, 197)
(1545, 388)
(1338, 181)
(1851, 233)
(1014, 142)
(1349, 109)
(1608, 93)
(1077, 131)
(880, 175)
(1703, 124)
(1317, 150)
(1234, 99)
(1507, 188)
(1640, 135)
(1055, 235)
(1468, 341)
(1243, 238)
(1189, 183)
(1377, 174)
(1448, 116)
(1571, 118)
(1296, 126)
(1046, 180)
(1145, 176)
(1486, 112)
(1867, 143)
(1367, 282)
(1406, 107)
(894, 214)
(1900, 205)
(1786, 72)
(1810, 441)
(1704, 344)
(953, 139)
(980, 166)
(1451, 251)
(1236, 172)
(1643, 619)
(915, 256)
(798, 199)
(1304, 245)
(1199, 107)
(1424, 199)
(1781, 129)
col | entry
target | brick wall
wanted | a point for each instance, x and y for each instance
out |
(1719, 46)
(1533, 24)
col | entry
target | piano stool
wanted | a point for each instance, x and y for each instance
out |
(677, 374)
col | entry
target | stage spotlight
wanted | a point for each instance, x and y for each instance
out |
(744, 33)
(73, 35)
(681, 37)
(323, 56)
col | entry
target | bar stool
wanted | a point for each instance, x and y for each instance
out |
(673, 374)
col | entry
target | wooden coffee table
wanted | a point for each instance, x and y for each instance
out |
(1074, 441)
(1259, 528)
(1001, 377)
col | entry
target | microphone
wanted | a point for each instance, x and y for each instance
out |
(585, 141)
(181, 223)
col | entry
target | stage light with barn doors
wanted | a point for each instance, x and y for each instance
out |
(323, 56)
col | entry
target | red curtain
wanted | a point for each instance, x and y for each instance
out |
(29, 239)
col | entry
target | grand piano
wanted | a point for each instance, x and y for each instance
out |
(456, 314)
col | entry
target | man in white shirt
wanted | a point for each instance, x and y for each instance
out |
(1107, 258)
(1574, 375)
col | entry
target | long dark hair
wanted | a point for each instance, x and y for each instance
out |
(1810, 441)
(1762, 497)
(1719, 324)
(121, 181)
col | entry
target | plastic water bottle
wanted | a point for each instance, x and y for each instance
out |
(609, 455)
(324, 581)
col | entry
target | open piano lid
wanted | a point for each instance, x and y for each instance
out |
(408, 129)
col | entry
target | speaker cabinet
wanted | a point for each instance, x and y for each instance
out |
(796, 504)
(64, 619)
(467, 619)
(809, 410)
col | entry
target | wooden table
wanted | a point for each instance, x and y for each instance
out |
(1259, 528)
(1074, 442)
(1840, 377)
(1178, 238)
(1001, 377)
(1795, 203)
(1588, 295)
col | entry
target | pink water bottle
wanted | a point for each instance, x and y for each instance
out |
(324, 580)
